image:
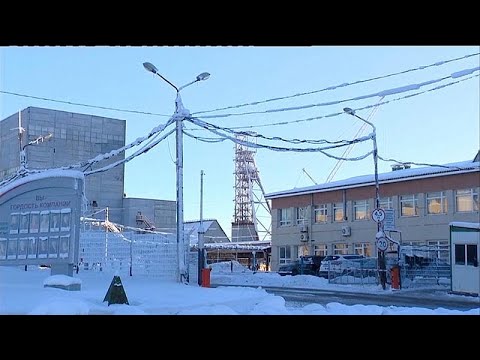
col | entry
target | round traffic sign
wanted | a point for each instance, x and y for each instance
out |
(382, 244)
(378, 215)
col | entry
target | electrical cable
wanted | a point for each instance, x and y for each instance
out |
(207, 125)
(80, 104)
(397, 90)
(281, 123)
(341, 85)
(134, 155)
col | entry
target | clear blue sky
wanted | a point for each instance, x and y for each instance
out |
(437, 127)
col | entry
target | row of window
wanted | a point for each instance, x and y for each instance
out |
(466, 200)
(434, 249)
(286, 255)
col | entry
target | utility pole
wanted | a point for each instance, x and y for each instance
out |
(180, 114)
(378, 213)
(106, 238)
(201, 232)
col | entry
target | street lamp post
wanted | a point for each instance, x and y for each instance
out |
(381, 254)
(180, 114)
(201, 233)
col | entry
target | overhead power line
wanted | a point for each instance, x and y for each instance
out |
(439, 63)
(134, 155)
(209, 126)
(283, 149)
(281, 123)
(80, 104)
(397, 90)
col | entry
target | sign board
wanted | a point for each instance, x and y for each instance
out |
(40, 219)
(378, 215)
(389, 222)
(382, 244)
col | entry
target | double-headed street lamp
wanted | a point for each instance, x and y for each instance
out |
(180, 114)
(381, 254)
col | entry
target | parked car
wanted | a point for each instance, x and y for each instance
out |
(306, 265)
(344, 263)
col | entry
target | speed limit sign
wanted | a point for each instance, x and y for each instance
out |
(382, 244)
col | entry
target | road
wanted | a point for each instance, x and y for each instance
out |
(430, 299)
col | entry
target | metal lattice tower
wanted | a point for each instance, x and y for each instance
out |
(252, 214)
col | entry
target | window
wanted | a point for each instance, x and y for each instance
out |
(320, 213)
(364, 249)
(459, 254)
(285, 216)
(360, 210)
(338, 212)
(320, 250)
(436, 203)
(386, 203)
(467, 200)
(340, 249)
(466, 254)
(284, 255)
(409, 205)
(301, 215)
(472, 255)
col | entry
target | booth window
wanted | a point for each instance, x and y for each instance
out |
(466, 254)
(472, 255)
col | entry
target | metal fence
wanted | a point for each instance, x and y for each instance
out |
(129, 253)
(420, 266)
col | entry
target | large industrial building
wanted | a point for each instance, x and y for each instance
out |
(335, 217)
(76, 138)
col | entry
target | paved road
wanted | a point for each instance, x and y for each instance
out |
(430, 299)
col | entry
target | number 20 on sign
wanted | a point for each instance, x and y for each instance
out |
(382, 244)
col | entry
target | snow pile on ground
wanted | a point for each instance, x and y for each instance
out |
(229, 267)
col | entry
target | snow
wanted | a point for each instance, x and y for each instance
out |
(22, 292)
(468, 225)
(63, 280)
(392, 176)
(41, 175)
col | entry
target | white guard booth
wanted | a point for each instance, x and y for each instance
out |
(465, 254)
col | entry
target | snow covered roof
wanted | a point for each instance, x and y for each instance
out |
(468, 225)
(40, 175)
(383, 178)
(196, 226)
(191, 229)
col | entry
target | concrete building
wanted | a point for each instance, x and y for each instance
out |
(150, 213)
(335, 217)
(212, 232)
(76, 137)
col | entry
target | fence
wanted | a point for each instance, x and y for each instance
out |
(129, 253)
(420, 266)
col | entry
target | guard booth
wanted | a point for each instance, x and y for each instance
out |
(465, 252)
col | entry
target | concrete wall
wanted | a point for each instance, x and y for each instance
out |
(76, 138)
(215, 234)
(244, 232)
(161, 212)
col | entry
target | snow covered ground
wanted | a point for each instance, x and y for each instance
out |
(23, 292)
